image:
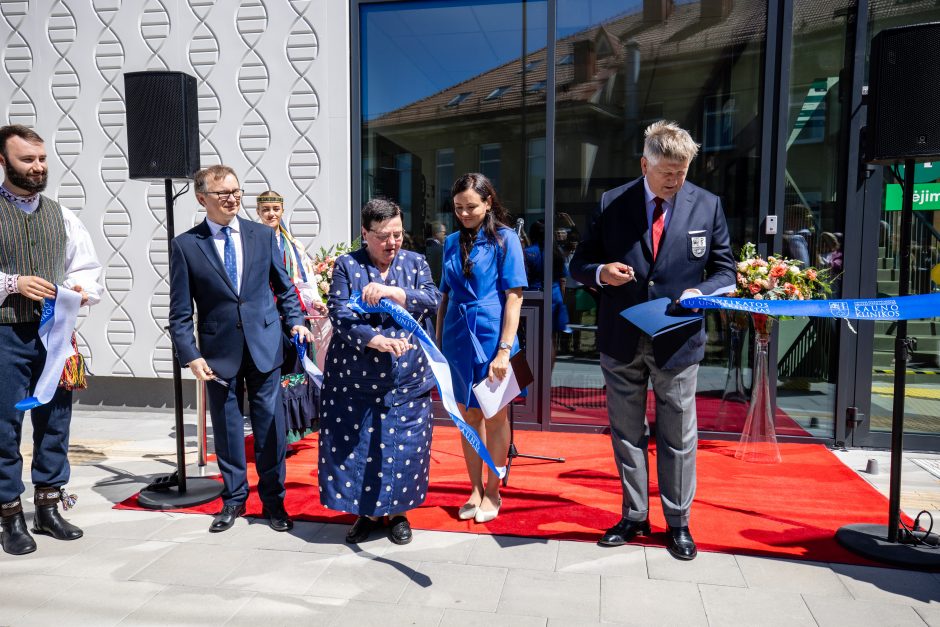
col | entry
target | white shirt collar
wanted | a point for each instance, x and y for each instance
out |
(27, 204)
(667, 203)
(215, 227)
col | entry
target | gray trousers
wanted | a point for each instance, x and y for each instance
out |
(676, 432)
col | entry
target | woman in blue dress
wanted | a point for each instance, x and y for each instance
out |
(482, 280)
(375, 406)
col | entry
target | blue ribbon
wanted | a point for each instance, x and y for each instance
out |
(439, 367)
(311, 368)
(897, 308)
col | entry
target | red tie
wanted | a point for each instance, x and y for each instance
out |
(658, 224)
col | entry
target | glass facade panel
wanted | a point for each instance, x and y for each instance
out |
(433, 110)
(621, 66)
(922, 405)
(813, 212)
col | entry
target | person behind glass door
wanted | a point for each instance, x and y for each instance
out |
(534, 262)
(375, 407)
(624, 257)
(434, 248)
(299, 394)
(482, 282)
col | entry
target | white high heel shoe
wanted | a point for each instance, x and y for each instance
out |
(467, 511)
(484, 516)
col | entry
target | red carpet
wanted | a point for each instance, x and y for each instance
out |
(787, 510)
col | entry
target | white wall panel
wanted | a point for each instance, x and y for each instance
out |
(273, 104)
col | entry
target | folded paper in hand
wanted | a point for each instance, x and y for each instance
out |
(494, 395)
(659, 316)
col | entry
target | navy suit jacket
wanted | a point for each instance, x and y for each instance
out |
(229, 320)
(619, 231)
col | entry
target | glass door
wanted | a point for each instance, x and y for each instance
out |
(619, 67)
(881, 262)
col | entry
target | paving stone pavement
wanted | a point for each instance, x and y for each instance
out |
(154, 568)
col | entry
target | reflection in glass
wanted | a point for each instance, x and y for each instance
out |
(923, 380)
(621, 66)
(447, 88)
(813, 217)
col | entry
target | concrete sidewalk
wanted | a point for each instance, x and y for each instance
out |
(152, 568)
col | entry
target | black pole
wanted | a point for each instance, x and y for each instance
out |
(174, 491)
(900, 357)
(916, 548)
(177, 377)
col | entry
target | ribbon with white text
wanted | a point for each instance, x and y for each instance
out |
(896, 308)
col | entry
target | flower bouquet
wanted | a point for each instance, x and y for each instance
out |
(323, 263)
(774, 278)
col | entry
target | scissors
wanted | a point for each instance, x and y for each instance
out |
(221, 382)
(408, 339)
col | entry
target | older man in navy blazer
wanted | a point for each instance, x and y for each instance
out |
(228, 267)
(658, 236)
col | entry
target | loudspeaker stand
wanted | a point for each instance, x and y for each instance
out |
(176, 490)
(877, 542)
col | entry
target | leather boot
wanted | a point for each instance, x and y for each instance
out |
(13, 532)
(48, 520)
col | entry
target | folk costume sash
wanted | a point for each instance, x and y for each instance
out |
(439, 367)
(55, 331)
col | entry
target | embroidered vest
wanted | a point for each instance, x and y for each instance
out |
(31, 244)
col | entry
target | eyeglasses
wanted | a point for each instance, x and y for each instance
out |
(235, 193)
(384, 237)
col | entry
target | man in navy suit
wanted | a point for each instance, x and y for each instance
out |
(657, 236)
(228, 266)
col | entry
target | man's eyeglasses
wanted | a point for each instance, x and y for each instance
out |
(235, 193)
(384, 237)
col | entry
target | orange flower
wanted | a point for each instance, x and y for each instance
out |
(778, 270)
(811, 274)
(754, 287)
(790, 289)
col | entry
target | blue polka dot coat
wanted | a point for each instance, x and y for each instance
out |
(375, 409)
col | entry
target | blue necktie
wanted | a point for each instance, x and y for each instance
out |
(231, 267)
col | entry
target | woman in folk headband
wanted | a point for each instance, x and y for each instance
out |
(300, 395)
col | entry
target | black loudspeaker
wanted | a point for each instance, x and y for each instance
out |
(904, 95)
(162, 125)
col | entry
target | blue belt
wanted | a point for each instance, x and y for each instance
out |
(468, 312)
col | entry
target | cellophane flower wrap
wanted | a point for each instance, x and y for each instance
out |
(323, 263)
(778, 278)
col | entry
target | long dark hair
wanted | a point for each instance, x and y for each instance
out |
(495, 217)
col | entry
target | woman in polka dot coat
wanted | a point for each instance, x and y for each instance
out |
(375, 406)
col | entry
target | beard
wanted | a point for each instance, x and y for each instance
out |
(30, 184)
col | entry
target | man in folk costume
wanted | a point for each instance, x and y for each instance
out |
(42, 245)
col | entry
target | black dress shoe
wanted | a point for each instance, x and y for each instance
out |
(48, 521)
(14, 536)
(680, 544)
(226, 518)
(624, 531)
(399, 530)
(278, 518)
(361, 529)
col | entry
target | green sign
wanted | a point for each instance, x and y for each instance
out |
(926, 197)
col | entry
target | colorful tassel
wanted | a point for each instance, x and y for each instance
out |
(68, 500)
(74, 374)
